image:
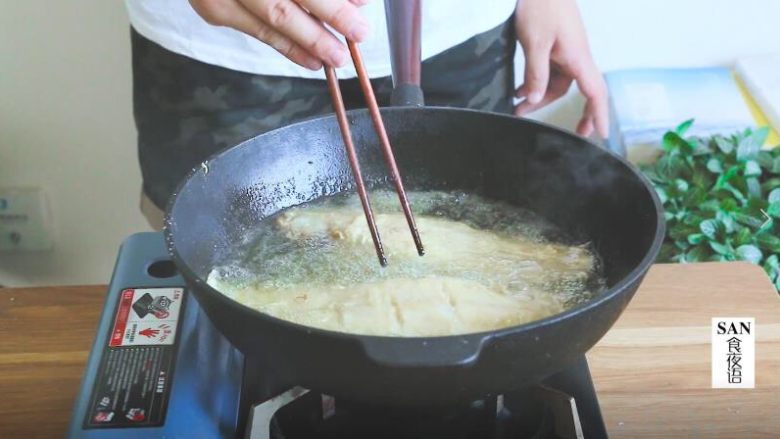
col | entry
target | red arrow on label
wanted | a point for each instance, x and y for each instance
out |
(120, 321)
(149, 332)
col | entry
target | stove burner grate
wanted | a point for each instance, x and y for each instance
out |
(540, 412)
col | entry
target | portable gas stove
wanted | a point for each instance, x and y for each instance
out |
(159, 369)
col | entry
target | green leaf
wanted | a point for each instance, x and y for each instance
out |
(692, 219)
(767, 226)
(681, 185)
(749, 253)
(773, 273)
(771, 184)
(752, 169)
(728, 222)
(735, 192)
(683, 127)
(696, 238)
(721, 249)
(728, 204)
(769, 242)
(681, 231)
(724, 178)
(661, 194)
(774, 209)
(743, 236)
(700, 146)
(724, 145)
(695, 197)
(765, 159)
(699, 253)
(673, 141)
(670, 166)
(709, 228)
(715, 166)
(776, 165)
(753, 187)
(747, 220)
(748, 149)
(711, 205)
(774, 196)
(773, 261)
(760, 135)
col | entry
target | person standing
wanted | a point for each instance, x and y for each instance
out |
(208, 74)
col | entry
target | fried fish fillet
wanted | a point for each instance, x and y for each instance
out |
(429, 306)
(451, 246)
(475, 280)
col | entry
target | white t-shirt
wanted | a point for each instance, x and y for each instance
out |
(174, 25)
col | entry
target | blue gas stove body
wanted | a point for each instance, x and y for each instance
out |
(159, 369)
(133, 388)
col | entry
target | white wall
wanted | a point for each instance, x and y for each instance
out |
(66, 125)
(66, 121)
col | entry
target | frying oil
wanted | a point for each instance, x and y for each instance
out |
(273, 259)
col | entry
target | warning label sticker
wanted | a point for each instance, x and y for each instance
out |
(147, 317)
(133, 384)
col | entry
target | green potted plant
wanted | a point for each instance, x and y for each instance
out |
(721, 197)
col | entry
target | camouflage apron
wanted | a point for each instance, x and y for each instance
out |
(186, 110)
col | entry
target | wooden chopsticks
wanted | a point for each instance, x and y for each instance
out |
(387, 151)
(341, 116)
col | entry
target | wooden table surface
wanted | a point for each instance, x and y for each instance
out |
(652, 370)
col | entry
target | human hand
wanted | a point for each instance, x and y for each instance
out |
(293, 27)
(556, 54)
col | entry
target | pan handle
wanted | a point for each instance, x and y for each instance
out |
(423, 352)
(403, 32)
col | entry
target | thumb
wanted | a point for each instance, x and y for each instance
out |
(537, 73)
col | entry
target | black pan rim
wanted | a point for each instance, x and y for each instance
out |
(477, 337)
